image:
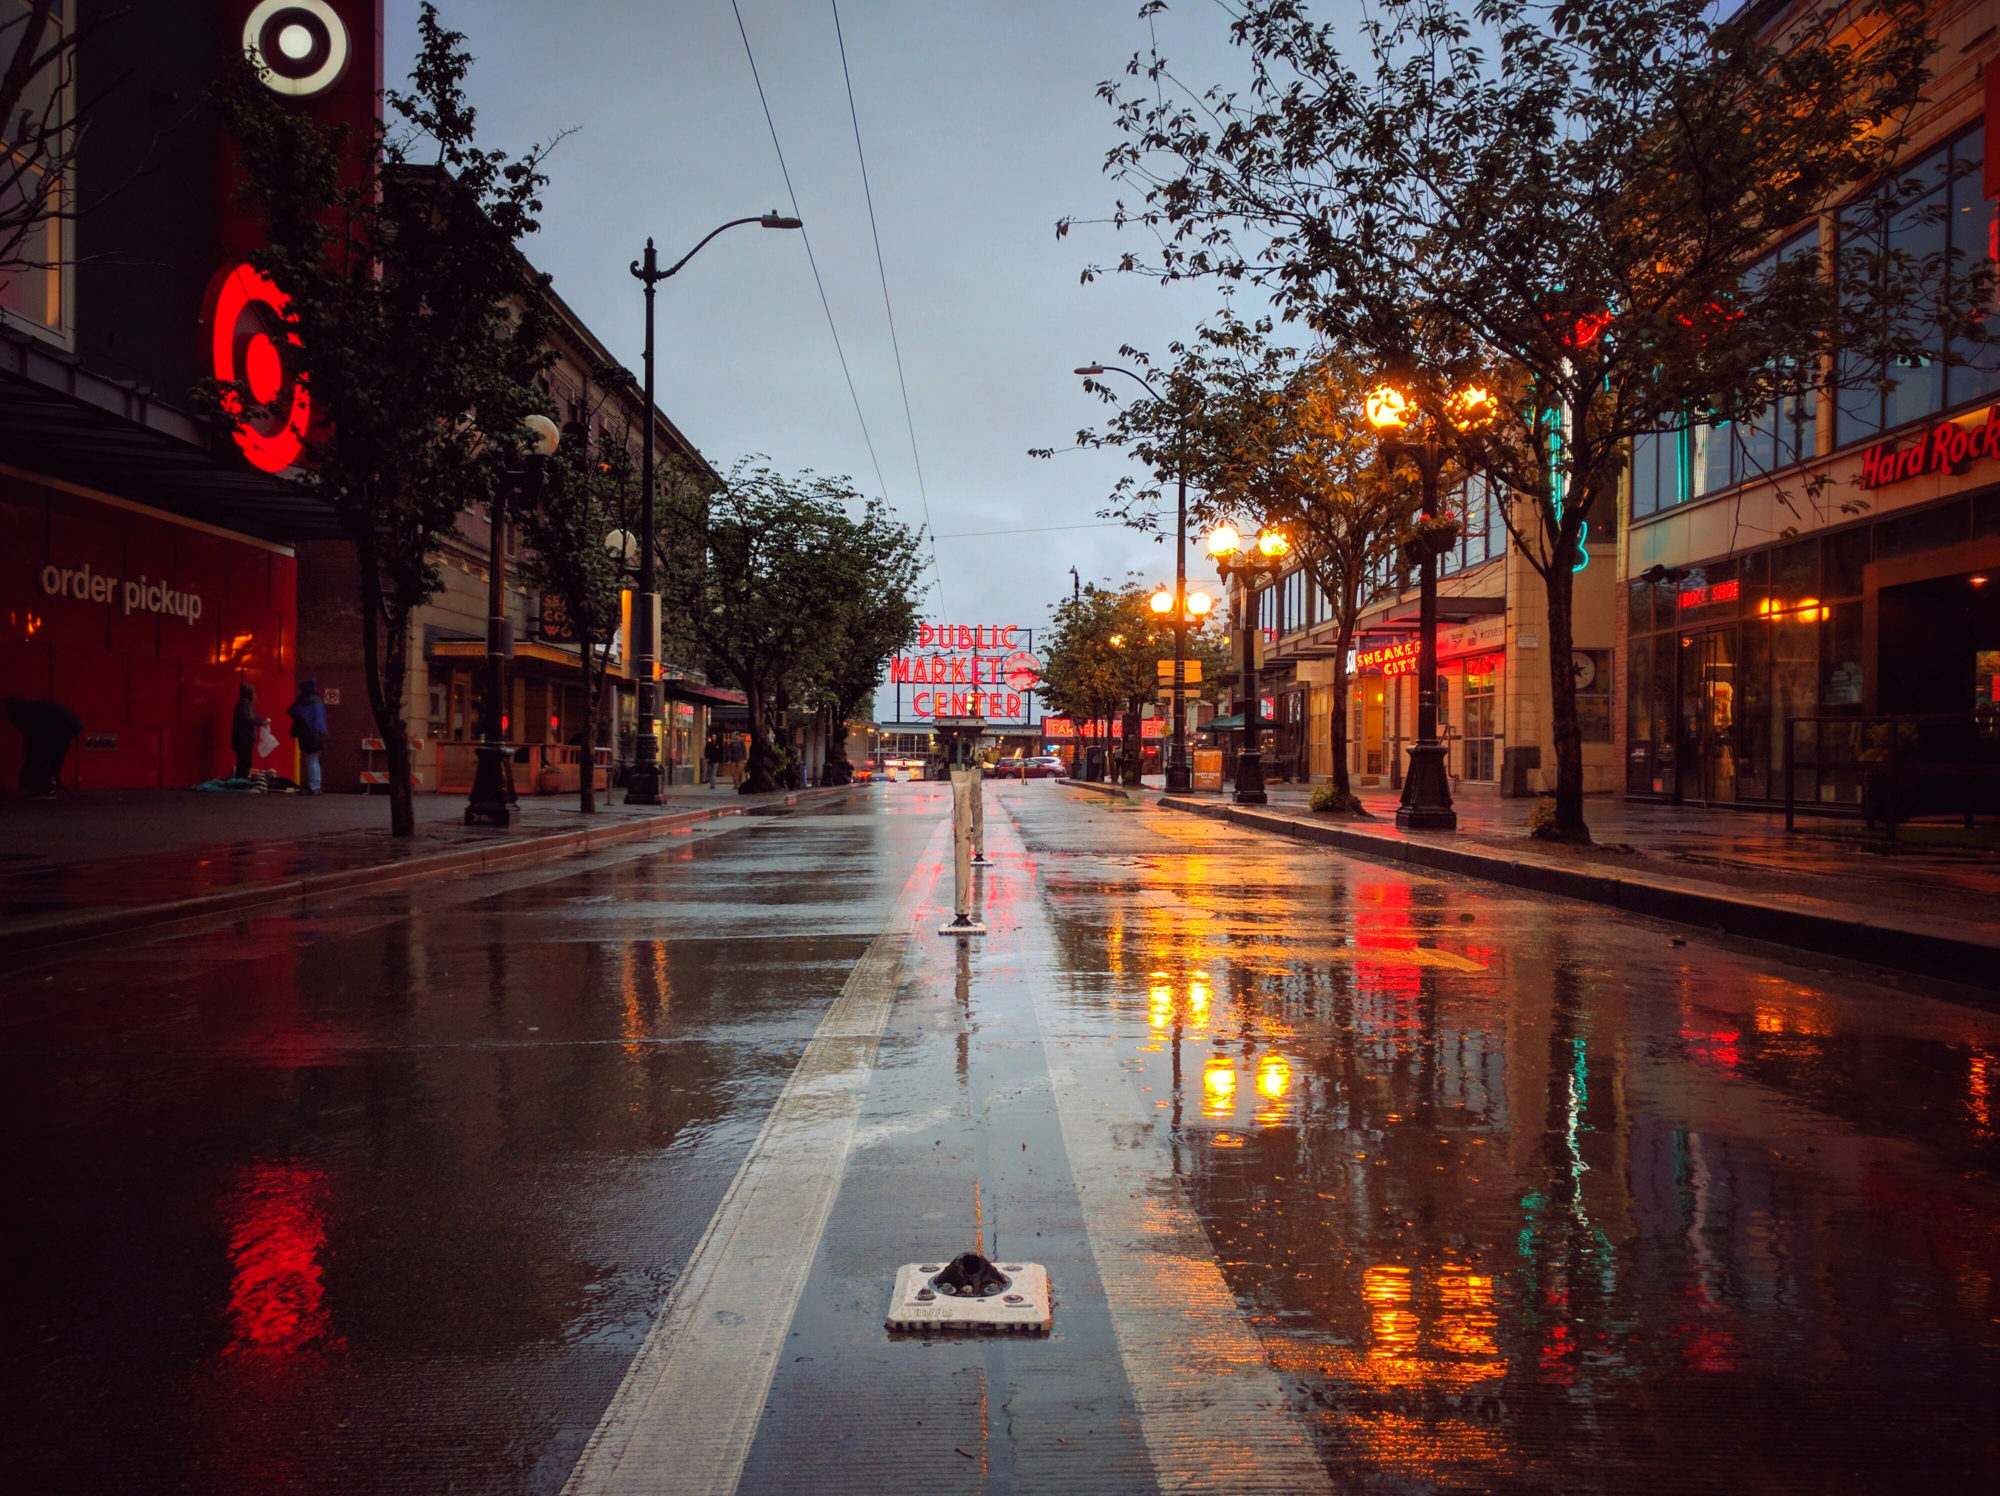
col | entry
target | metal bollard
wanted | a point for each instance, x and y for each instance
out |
(964, 797)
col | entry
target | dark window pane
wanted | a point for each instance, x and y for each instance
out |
(1925, 530)
(1840, 656)
(1645, 476)
(1846, 555)
(1795, 570)
(1639, 608)
(1973, 224)
(1986, 514)
(1712, 464)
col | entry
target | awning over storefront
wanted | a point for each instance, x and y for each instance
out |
(713, 696)
(58, 419)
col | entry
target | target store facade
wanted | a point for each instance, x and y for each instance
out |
(148, 563)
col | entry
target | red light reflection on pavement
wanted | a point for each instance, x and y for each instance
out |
(1719, 1047)
(277, 1233)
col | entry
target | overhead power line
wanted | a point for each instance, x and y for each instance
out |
(813, 261)
(882, 272)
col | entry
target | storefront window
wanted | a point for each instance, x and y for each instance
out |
(1481, 702)
(31, 288)
(1593, 694)
(1900, 242)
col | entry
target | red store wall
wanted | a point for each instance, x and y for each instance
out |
(155, 691)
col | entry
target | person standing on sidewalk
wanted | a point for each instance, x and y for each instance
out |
(308, 714)
(47, 729)
(243, 729)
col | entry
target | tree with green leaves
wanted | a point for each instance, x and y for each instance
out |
(1102, 660)
(796, 588)
(1601, 211)
(586, 493)
(414, 317)
(1276, 435)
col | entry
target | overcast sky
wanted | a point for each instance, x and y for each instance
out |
(982, 128)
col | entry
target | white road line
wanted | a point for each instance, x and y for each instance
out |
(1215, 1416)
(684, 1417)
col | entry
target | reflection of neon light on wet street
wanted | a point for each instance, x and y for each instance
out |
(1218, 1084)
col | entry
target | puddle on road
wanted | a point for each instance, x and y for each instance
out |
(1541, 1201)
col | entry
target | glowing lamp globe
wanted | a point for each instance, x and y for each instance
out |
(1224, 541)
(1387, 408)
(1163, 601)
(1272, 543)
(1472, 407)
(1199, 604)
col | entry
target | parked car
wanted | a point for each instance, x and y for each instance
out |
(900, 770)
(1040, 766)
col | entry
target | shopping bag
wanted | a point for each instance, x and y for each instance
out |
(267, 742)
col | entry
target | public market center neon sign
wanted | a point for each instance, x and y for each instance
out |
(979, 667)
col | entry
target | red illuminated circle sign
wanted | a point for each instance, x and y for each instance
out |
(1021, 670)
(250, 346)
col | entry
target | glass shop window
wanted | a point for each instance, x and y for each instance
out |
(1593, 693)
(1938, 229)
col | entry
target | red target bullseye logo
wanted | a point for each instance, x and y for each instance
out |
(299, 46)
(252, 347)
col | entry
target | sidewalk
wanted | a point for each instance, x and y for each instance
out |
(1930, 910)
(95, 865)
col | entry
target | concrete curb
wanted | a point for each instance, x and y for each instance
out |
(1847, 931)
(35, 936)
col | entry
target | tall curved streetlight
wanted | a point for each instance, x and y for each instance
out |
(643, 787)
(1179, 778)
(1429, 438)
(489, 801)
(1249, 565)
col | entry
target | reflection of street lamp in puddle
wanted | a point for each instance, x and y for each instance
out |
(1274, 1081)
(1218, 1086)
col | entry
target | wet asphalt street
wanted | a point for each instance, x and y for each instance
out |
(593, 1178)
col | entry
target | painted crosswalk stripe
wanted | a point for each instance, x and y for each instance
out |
(682, 1422)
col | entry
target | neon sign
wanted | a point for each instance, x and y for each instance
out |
(983, 672)
(251, 345)
(1701, 597)
(1399, 658)
(1947, 446)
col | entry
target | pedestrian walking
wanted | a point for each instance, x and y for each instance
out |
(736, 759)
(712, 755)
(243, 729)
(47, 729)
(308, 714)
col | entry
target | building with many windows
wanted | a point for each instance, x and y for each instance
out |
(1829, 562)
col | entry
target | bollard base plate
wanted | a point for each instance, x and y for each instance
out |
(1022, 1309)
(962, 927)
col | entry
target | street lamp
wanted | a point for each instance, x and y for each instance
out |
(488, 801)
(1429, 439)
(1249, 565)
(1180, 778)
(643, 786)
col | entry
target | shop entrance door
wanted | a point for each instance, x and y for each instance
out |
(1708, 739)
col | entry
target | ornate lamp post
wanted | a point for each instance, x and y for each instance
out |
(643, 785)
(1429, 439)
(1250, 567)
(489, 801)
(1185, 610)
(1180, 778)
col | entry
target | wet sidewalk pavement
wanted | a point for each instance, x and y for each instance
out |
(1829, 873)
(89, 863)
(593, 1178)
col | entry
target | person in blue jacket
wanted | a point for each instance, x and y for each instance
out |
(308, 714)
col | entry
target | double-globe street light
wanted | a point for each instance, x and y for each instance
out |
(1250, 567)
(1430, 438)
(1180, 778)
(489, 801)
(643, 786)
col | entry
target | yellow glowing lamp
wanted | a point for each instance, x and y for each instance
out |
(1273, 543)
(1472, 407)
(1199, 604)
(1117, 641)
(1224, 541)
(1387, 408)
(1163, 601)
